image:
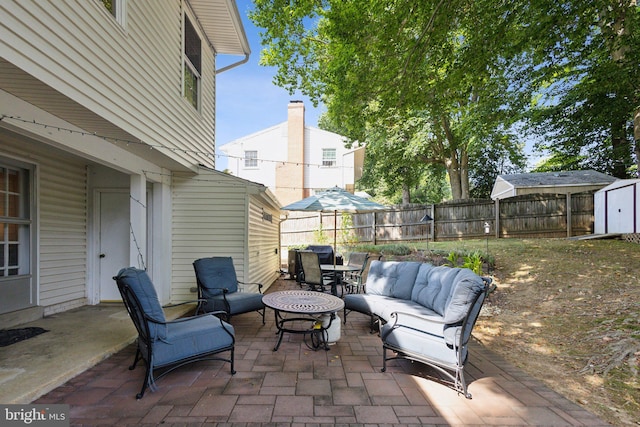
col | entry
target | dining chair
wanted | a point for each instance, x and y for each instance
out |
(312, 275)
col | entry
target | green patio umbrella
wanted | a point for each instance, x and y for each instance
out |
(334, 200)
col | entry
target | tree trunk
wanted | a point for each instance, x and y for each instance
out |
(621, 150)
(453, 170)
(406, 194)
(457, 164)
(464, 173)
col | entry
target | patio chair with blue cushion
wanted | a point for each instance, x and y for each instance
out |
(220, 290)
(167, 345)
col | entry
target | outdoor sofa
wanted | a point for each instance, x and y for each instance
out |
(426, 313)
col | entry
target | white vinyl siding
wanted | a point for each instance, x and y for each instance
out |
(215, 214)
(209, 219)
(62, 222)
(132, 76)
(264, 238)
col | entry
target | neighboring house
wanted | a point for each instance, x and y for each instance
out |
(107, 118)
(295, 160)
(617, 207)
(549, 182)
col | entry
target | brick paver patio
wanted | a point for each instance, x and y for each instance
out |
(299, 386)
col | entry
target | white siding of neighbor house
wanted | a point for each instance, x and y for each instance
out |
(502, 189)
(271, 147)
(211, 215)
(61, 221)
(322, 177)
(131, 76)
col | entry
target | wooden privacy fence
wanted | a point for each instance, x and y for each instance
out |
(533, 215)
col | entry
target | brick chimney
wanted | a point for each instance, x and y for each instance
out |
(290, 176)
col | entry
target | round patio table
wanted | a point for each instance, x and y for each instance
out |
(310, 304)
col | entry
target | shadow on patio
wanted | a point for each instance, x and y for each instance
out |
(293, 385)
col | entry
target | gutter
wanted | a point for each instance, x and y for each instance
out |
(234, 65)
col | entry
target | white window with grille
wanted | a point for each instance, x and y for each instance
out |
(250, 159)
(329, 157)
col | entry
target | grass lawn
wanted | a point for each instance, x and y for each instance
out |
(565, 311)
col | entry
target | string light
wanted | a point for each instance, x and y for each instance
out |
(128, 142)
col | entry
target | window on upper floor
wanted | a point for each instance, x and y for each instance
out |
(191, 64)
(328, 157)
(251, 159)
(116, 8)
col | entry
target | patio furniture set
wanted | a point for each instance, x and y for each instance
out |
(424, 313)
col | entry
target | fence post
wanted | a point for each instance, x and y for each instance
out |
(497, 222)
(373, 230)
(433, 223)
(569, 225)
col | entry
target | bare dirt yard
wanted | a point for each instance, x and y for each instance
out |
(568, 313)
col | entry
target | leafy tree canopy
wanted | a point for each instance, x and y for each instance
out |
(446, 83)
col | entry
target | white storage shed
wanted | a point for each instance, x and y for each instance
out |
(617, 207)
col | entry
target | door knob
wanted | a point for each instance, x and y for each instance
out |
(102, 255)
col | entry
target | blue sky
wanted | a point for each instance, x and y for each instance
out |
(247, 101)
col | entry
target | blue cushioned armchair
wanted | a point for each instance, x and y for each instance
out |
(219, 288)
(169, 345)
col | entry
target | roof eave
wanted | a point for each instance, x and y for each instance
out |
(222, 25)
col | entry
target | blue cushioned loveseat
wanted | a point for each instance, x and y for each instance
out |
(426, 312)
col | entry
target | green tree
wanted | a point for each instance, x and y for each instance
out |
(379, 65)
(585, 58)
(497, 157)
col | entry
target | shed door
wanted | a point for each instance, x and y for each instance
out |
(620, 212)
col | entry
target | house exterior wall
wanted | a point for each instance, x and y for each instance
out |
(86, 98)
(292, 174)
(264, 240)
(129, 76)
(502, 189)
(60, 221)
(219, 215)
(271, 145)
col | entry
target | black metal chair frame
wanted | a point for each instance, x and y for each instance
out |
(141, 322)
(353, 281)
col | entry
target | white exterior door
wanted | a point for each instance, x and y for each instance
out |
(620, 210)
(113, 245)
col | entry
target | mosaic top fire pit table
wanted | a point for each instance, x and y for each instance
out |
(319, 311)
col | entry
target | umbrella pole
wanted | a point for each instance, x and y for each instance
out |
(335, 235)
